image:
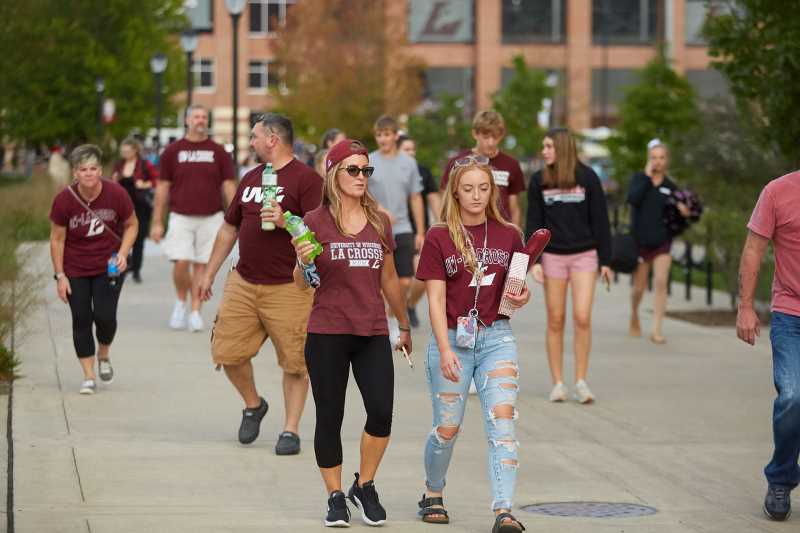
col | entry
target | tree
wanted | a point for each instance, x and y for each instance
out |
(440, 131)
(726, 163)
(756, 45)
(662, 104)
(53, 51)
(520, 102)
(344, 66)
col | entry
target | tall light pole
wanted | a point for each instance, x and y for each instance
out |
(99, 87)
(158, 64)
(189, 45)
(235, 8)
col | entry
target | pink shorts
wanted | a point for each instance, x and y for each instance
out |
(560, 266)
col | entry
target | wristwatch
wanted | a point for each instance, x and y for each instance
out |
(58, 275)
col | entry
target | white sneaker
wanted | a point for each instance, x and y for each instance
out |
(88, 386)
(472, 388)
(196, 322)
(582, 392)
(394, 331)
(559, 393)
(178, 318)
(106, 371)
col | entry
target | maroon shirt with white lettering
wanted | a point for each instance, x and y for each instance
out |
(507, 175)
(440, 260)
(89, 244)
(196, 170)
(349, 298)
(268, 257)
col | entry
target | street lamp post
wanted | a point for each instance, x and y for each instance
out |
(189, 45)
(100, 87)
(158, 64)
(235, 8)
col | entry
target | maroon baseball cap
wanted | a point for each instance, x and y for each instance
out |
(343, 150)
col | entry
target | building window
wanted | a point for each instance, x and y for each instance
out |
(534, 21)
(203, 70)
(266, 16)
(453, 81)
(709, 84)
(608, 91)
(200, 14)
(697, 12)
(257, 76)
(626, 21)
(440, 21)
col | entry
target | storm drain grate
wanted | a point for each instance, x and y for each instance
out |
(590, 509)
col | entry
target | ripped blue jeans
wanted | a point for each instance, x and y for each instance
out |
(493, 365)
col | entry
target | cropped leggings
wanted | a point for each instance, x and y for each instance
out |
(93, 302)
(328, 359)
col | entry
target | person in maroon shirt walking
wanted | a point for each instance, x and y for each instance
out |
(488, 129)
(348, 328)
(92, 224)
(464, 264)
(196, 173)
(260, 298)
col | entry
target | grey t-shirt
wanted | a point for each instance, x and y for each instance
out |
(394, 181)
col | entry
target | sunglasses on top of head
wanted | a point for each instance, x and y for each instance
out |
(353, 170)
(473, 159)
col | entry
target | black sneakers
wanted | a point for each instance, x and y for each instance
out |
(288, 444)
(777, 503)
(251, 422)
(338, 513)
(366, 499)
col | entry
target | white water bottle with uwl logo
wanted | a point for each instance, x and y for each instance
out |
(269, 191)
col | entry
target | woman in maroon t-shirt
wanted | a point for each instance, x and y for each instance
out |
(347, 326)
(92, 224)
(138, 177)
(464, 264)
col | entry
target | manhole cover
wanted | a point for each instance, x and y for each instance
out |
(590, 509)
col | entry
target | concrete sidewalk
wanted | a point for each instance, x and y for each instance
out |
(684, 428)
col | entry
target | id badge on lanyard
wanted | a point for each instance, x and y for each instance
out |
(467, 326)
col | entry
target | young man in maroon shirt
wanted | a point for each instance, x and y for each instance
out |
(196, 173)
(260, 298)
(488, 129)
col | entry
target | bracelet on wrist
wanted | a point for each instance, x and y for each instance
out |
(407, 329)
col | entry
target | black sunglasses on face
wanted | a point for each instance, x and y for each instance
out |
(354, 170)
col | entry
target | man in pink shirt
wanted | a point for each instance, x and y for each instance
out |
(777, 219)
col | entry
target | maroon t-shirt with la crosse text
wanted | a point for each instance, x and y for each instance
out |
(507, 175)
(267, 257)
(89, 244)
(349, 298)
(440, 260)
(196, 171)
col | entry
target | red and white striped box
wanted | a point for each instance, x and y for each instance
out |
(514, 281)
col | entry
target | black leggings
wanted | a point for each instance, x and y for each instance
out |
(93, 301)
(143, 213)
(328, 358)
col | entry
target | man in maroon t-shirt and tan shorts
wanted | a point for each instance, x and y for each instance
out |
(260, 298)
(196, 173)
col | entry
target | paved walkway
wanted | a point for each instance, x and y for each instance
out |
(684, 428)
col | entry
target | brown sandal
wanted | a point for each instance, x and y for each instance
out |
(431, 514)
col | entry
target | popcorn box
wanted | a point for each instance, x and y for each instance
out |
(514, 281)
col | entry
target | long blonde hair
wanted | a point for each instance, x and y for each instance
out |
(451, 212)
(562, 173)
(331, 198)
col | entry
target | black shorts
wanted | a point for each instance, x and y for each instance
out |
(404, 255)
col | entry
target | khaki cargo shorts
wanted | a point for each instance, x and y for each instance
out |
(251, 313)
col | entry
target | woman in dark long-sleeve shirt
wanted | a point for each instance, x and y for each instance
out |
(566, 197)
(648, 194)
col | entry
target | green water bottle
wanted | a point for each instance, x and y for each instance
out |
(298, 229)
(269, 191)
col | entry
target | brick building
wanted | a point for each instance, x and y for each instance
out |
(592, 48)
